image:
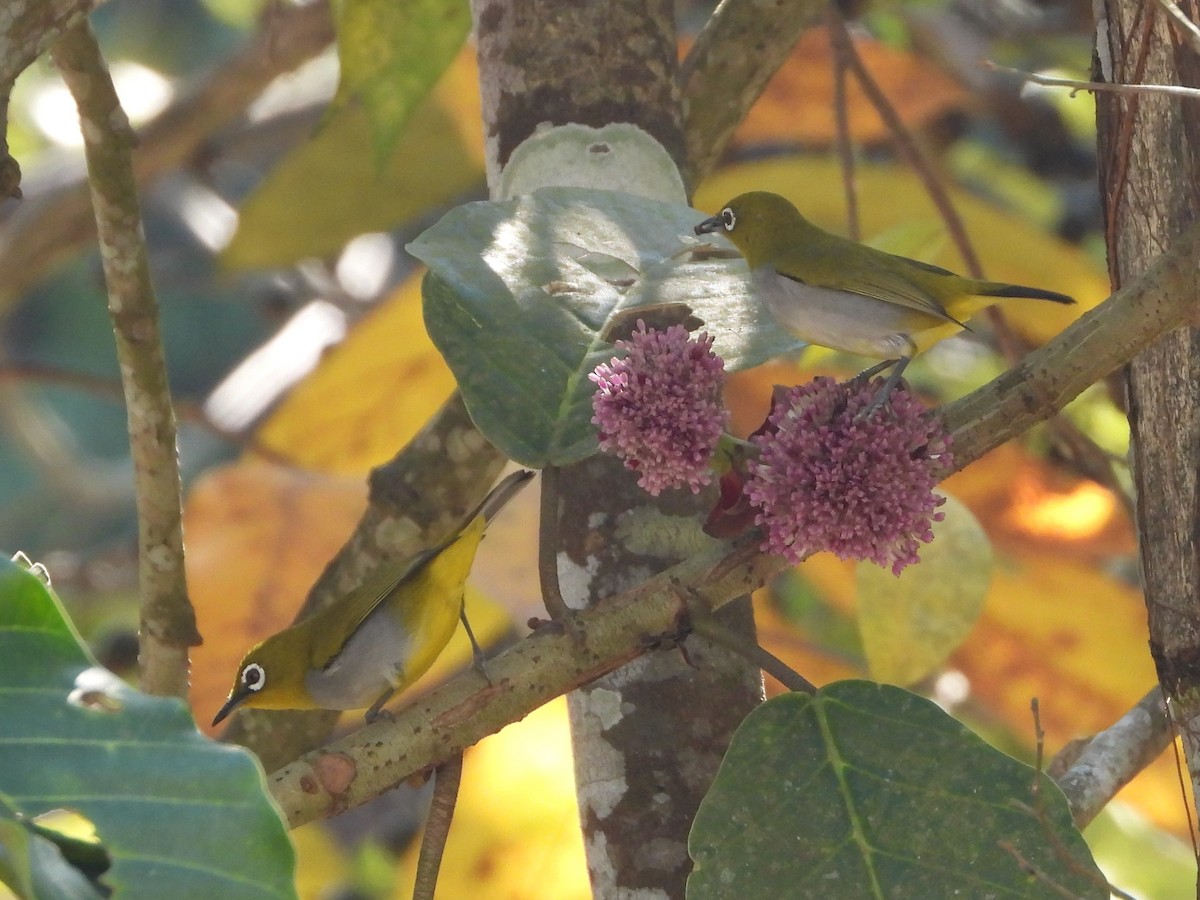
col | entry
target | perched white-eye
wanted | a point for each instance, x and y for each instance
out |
(379, 638)
(834, 292)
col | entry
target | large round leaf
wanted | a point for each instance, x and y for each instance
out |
(177, 814)
(867, 790)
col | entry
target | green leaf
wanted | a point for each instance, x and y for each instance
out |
(178, 815)
(867, 790)
(911, 623)
(392, 54)
(521, 292)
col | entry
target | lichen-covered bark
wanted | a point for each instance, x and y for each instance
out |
(1150, 154)
(649, 737)
(588, 63)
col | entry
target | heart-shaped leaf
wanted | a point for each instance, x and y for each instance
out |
(867, 790)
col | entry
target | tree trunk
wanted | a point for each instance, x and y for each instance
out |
(1149, 149)
(648, 738)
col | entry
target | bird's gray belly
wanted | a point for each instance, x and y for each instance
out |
(838, 319)
(370, 663)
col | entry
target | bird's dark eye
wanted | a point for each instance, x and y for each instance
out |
(728, 218)
(253, 677)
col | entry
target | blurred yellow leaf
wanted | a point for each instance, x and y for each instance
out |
(1051, 629)
(1011, 249)
(320, 862)
(330, 189)
(368, 397)
(797, 105)
(911, 623)
(516, 828)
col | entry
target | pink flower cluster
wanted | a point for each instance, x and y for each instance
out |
(863, 489)
(660, 408)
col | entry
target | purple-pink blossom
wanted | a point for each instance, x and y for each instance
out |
(659, 408)
(861, 489)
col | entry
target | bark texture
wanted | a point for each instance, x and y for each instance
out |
(648, 738)
(1150, 153)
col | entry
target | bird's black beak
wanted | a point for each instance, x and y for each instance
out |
(709, 225)
(234, 701)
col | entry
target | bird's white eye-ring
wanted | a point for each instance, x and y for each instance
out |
(254, 677)
(728, 218)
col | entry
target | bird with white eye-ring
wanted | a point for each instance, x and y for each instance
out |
(834, 292)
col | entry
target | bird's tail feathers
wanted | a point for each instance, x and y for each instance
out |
(996, 289)
(501, 494)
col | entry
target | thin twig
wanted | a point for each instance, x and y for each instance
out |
(446, 780)
(1179, 766)
(168, 623)
(548, 547)
(908, 148)
(838, 37)
(1186, 26)
(1039, 811)
(1030, 868)
(1171, 90)
(707, 626)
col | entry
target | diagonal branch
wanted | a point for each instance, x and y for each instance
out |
(551, 662)
(1112, 757)
(742, 46)
(168, 624)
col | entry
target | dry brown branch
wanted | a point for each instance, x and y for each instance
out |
(1171, 90)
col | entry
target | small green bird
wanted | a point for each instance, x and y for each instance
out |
(378, 639)
(834, 292)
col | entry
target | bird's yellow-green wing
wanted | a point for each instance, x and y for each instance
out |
(894, 279)
(349, 612)
(334, 626)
